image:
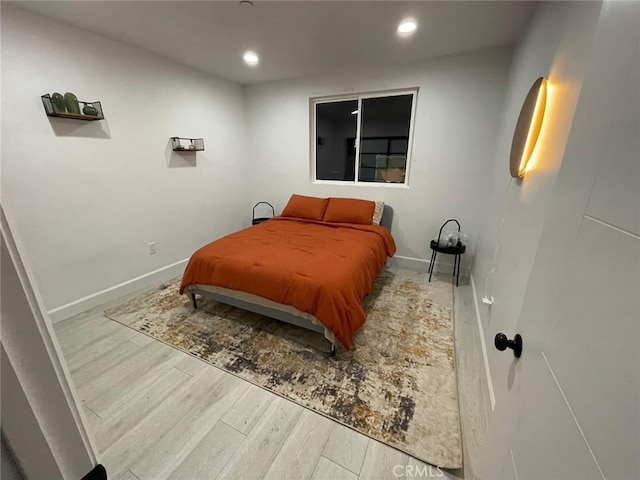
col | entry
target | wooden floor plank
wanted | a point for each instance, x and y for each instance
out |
(140, 339)
(249, 408)
(100, 319)
(127, 476)
(255, 455)
(134, 444)
(93, 420)
(327, 470)
(346, 447)
(78, 338)
(210, 455)
(128, 416)
(175, 445)
(382, 462)
(94, 350)
(108, 361)
(128, 366)
(138, 379)
(301, 450)
(74, 322)
(191, 365)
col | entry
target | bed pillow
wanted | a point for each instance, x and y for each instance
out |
(311, 208)
(349, 210)
(377, 213)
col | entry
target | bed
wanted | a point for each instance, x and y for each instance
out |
(307, 267)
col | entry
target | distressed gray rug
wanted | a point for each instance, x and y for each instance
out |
(397, 384)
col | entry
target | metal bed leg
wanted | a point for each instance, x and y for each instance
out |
(458, 275)
(193, 299)
(333, 349)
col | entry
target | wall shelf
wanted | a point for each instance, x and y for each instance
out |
(180, 144)
(53, 111)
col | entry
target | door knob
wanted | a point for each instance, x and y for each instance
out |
(502, 343)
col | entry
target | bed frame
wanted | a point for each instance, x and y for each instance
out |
(284, 316)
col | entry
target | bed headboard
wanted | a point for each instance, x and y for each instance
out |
(387, 217)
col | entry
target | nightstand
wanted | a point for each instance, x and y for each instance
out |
(457, 249)
(256, 221)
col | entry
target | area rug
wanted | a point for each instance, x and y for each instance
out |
(397, 384)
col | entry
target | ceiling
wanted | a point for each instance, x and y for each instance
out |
(295, 39)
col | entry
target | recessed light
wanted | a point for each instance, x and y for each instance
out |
(251, 58)
(407, 27)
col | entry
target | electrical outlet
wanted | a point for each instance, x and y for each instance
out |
(487, 301)
(152, 248)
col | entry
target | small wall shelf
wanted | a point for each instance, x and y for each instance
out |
(53, 111)
(180, 144)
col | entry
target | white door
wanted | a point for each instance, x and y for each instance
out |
(573, 407)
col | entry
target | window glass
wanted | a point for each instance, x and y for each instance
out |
(336, 127)
(384, 138)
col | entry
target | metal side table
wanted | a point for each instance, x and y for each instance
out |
(456, 250)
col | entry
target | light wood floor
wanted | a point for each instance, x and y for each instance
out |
(158, 413)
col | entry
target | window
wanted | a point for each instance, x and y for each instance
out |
(363, 138)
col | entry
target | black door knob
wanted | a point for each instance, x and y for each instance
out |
(502, 343)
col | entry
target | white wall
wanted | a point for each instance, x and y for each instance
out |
(458, 114)
(86, 197)
(556, 46)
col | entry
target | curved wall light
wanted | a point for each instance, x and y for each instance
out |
(528, 127)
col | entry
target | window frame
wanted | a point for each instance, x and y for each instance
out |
(314, 101)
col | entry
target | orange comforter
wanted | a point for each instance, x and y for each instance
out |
(324, 269)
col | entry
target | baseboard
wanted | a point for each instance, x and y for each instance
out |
(483, 345)
(443, 263)
(130, 286)
(408, 262)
